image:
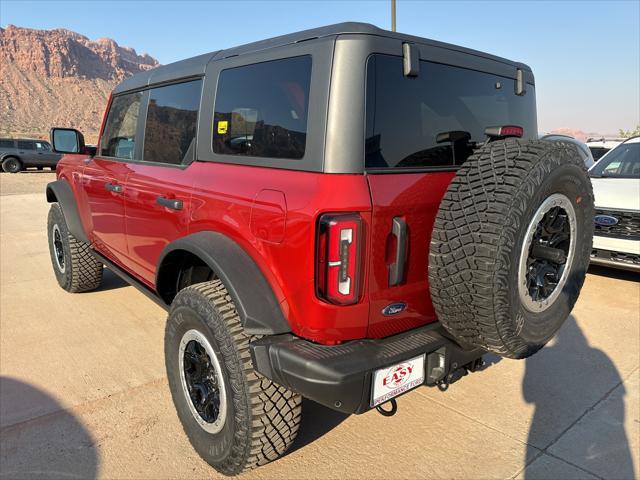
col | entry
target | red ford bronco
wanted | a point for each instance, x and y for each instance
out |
(342, 214)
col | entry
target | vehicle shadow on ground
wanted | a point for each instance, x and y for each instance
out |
(110, 281)
(615, 273)
(556, 381)
(40, 439)
(317, 420)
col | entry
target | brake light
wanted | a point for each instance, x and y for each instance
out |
(504, 131)
(338, 258)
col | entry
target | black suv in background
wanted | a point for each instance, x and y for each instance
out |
(18, 154)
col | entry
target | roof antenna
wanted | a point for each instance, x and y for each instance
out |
(393, 15)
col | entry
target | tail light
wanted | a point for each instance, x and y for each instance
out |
(338, 258)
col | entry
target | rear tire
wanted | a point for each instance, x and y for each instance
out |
(235, 418)
(74, 265)
(489, 286)
(11, 165)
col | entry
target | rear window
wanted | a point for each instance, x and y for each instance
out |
(119, 137)
(172, 121)
(261, 109)
(26, 145)
(437, 118)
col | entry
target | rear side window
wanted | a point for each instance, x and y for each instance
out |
(119, 137)
(7, 144)
(598, 152)
(26, 145)
(261, 109)
(172, 120)
(437, 118)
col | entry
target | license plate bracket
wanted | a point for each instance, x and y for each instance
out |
(394, 380)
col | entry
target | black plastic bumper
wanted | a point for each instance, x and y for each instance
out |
(339, 376)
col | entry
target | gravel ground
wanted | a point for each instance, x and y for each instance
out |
(30, 181)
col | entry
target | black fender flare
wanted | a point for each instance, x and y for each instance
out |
(259, 310)
(60, 191)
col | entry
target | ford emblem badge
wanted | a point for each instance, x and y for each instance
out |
(393, 309)
(605, 220)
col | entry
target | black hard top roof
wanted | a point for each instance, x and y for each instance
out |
(196, 66)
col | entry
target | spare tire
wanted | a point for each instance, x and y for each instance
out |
(511, 244)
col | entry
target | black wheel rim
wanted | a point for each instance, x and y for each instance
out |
(548, 254)
(201, 381)
(58, 249)
(13, 166)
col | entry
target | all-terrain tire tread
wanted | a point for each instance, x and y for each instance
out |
(474, 236)
(85, 271)
(274, 411)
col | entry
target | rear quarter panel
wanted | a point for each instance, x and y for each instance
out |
(224, 200)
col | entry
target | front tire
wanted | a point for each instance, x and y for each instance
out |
(235, 418)
(11, 165)
(75, 267)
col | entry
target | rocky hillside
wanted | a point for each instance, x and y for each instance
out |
(59, 78)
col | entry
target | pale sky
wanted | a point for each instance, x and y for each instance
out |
(585, 54)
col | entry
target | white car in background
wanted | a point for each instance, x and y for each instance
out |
(600, 146)
(616, 186)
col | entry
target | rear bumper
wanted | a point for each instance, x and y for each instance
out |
(339, 376)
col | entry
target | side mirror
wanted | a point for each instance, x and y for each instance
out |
(67, 140)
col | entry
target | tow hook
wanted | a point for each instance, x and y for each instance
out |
(388, 413)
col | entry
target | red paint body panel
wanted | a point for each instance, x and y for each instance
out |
(271, 214)
(223, 196)
(415, 197)
(105, 209)
(150, 226)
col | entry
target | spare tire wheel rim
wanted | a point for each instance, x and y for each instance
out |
(202, 381)
(58, 249)
(547, 253)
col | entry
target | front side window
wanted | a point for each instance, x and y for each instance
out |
(26, 145)
(261, 109)
(43, 147)
(119, 136)
(622, 162)
(172, 121)
(437, 118)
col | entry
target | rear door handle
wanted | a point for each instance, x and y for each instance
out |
(396, 270)
(113, 188)
(171, 203)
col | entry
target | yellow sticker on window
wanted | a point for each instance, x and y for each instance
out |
(223, 125)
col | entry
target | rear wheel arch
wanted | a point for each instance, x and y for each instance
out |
(204, 256)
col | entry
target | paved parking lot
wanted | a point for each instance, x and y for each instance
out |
(83, 391)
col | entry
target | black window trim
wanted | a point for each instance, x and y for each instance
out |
(142, 123)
